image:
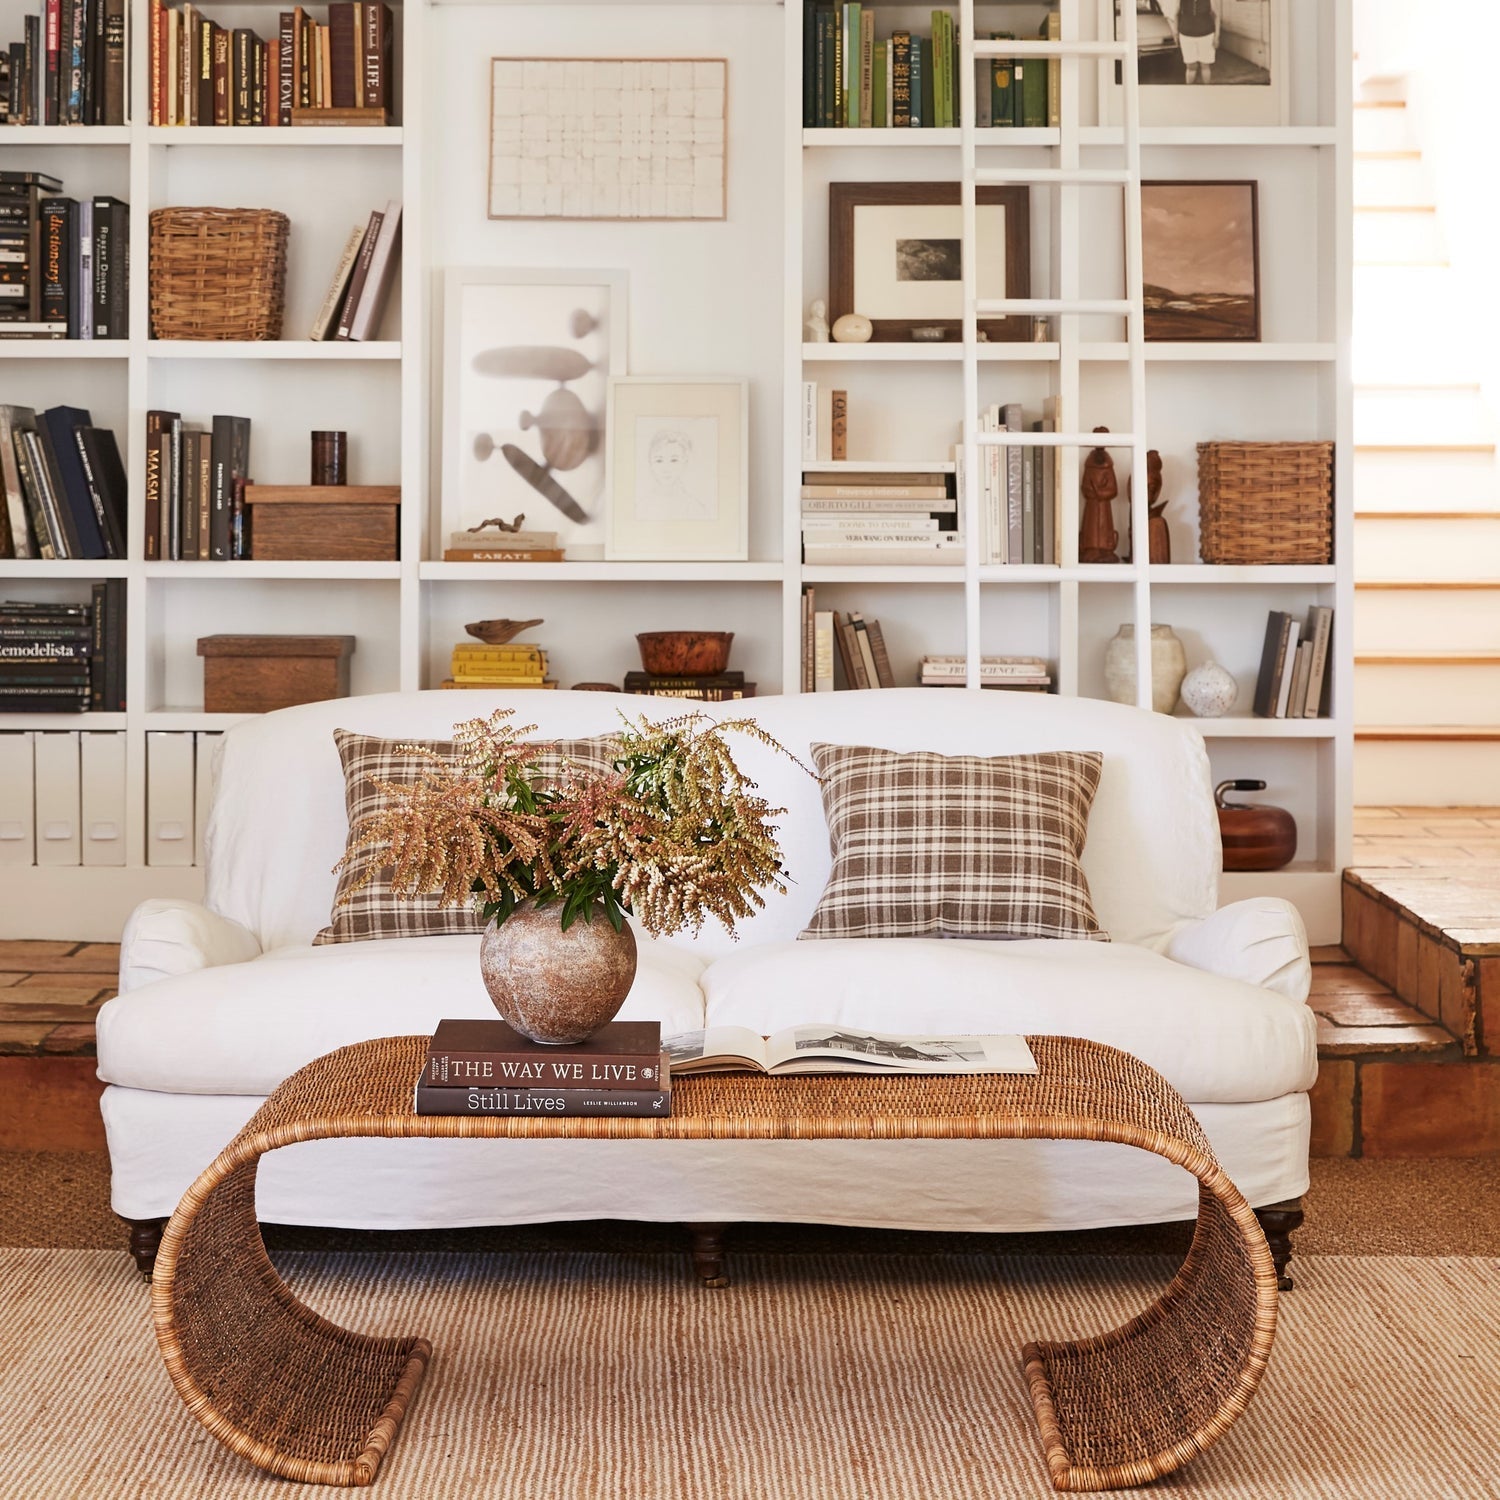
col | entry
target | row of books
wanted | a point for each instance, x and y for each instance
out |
(516, 665)
(1025, 674)
(878, 517)
(854, 78)
(69, 68)
(64, 658)
(1018, 488)
(855, 644)
(1294, 681)
(362, 281)
(487, 1068)
(195, 489)
(307, 73)
(64, 264)
(64, 485)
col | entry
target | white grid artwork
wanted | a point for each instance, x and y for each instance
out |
(607, 138)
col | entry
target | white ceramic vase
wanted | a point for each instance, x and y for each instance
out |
(1209, 690)
(1168, 667)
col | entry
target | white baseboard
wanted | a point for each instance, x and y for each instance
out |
(85, 904)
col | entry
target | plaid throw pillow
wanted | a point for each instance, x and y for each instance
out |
(956, 845)
(374, 911)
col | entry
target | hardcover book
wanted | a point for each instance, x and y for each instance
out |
(830, 1048)
(620, 1055)
(500, 1100)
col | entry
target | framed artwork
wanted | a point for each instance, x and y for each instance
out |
(894, 254)
(527, 361)
(1200, 244)
(1202, 62)
(607, 138)
(679, 470)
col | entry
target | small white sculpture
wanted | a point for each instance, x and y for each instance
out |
(1210, 690)
(816, 330)
(853, 328)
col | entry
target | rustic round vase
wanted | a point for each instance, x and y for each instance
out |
(1168, 667)
(556, 987)
(1209, 690)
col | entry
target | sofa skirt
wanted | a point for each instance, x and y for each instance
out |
(159, 1143)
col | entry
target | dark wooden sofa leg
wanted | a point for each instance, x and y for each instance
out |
(707, 1251)
(145, 1240)
(1278, 1221)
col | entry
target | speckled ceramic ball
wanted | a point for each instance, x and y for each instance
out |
(1210, 690)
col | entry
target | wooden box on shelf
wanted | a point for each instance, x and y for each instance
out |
(254, 674)
(323, 522)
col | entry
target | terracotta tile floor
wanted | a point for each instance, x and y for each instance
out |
(1420, 838)
(49, 994)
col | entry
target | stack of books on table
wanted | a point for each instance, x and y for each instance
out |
(488, 1068)
(878, 518)
(476, 665)
(1024, 674)
(1294, 680)
(488, 546)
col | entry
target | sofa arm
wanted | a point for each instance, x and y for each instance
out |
(1261, 941)
(163, 938)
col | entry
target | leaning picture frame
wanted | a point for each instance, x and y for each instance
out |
(894, 256)
(1248, 67)
(527, 357)
(679, 469)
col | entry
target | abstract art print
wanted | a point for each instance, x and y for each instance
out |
(527, 360)
(607, 138)
(678, 469)
(1200, 246)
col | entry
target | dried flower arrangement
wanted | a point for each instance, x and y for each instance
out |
(672, 832)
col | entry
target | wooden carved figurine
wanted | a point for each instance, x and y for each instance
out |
(1159, 539)
(1097, 537)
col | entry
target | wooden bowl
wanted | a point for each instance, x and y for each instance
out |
(685, 653)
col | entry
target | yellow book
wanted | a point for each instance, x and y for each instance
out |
(550, 682)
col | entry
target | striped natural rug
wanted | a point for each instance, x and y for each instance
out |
(812, 1378)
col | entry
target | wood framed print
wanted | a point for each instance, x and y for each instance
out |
(679, 470)
(1200, 259)
(1202, 62)
(608, 137)
(527, 360)
(894, 254)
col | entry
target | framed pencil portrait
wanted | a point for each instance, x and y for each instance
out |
(679, 470)
(895, 255)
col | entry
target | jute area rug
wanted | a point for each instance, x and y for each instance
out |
(584, 1376)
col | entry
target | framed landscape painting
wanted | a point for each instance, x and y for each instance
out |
(1200, 245)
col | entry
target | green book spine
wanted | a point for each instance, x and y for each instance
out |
(1002, 84)
(939, 73)
(918, 79)
(878, 87)
(840, 30)
(950, 65)
(1034, 95)
(927, 89)
(851, 64)
(866, 68)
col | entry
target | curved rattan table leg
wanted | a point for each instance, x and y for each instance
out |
(270, 1378)
(1125, 1407)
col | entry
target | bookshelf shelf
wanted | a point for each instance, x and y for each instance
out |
(284, 138)
(886, 138)
(282, 349)
(1215, 135)
(1259, 576)
(1245, 727)
(603, 572)
(187, 720)
(11, 723)
(948, 575)
(250, 571)
(877, 466)
(916, 354)
(1211, 353)
(91, 349)
(28, 136)
(33, 568)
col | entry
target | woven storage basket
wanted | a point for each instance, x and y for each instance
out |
(1265, 502)
(217, 273)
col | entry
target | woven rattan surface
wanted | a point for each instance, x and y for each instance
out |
(312, 1402)
(1265, 502)
(218, 273)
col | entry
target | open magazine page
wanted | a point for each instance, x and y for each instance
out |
(716, 1050)
(830, 1049)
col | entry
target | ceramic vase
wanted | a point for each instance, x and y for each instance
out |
(553, 986)
(1209, 691)
(1168, 667)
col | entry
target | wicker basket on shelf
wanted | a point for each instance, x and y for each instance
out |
(218, 273)
(1265, 502)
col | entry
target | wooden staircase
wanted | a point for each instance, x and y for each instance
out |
(1426, 492)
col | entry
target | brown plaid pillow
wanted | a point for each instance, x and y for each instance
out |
(374, 911)
(956, 845)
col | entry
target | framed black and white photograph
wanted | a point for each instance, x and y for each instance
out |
(527, 360)
(678, 469)
(1202, 62)
(895, 256)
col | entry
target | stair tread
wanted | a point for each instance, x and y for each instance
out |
(1427, 515)
(1427, 583)
(1424, 447)
(1434, 733)
(1428, 658)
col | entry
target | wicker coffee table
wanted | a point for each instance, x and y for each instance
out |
(310, 1401)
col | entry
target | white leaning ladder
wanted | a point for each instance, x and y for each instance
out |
(1066, 309)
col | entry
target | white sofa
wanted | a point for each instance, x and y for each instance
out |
(219, 1002)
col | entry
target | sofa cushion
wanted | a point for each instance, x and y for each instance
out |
(960, 845)
(1217, 1041)
(363, 912)
(242, 1028)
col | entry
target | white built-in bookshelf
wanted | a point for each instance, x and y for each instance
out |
(704, 300)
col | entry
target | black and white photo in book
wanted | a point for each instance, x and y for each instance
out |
(819, 1047)
(1201, 62)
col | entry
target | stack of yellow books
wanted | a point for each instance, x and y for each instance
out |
(514, 666)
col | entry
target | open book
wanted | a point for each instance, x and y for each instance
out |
(824, 1048)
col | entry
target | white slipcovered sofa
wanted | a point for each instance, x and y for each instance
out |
(220, 1002)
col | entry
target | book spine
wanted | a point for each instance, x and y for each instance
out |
(377, 56)
(557, 1102)
(809, 425)
(75, 21)
(172, 491)
(854, 658)
(241, 80)
(83, 269)
(156, 422)
(866, 68)
(156, 24)
(31, 488)
(1321, 630)
(345, 55)
(360, 275)
(221, 76)
(114, 645)
(840, 450)
(876, 637)
(840, 66)
(96, 658)
(114, 62)
(54, 58)
(462, 1070)
(809, 72)
(55, 219)
(99, 282)
(203, 74)
(918, 83)
(1272, 657)
(95, 491)
(286, 65)
(364, 320)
